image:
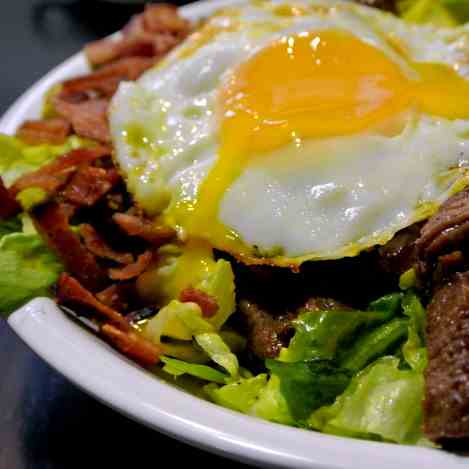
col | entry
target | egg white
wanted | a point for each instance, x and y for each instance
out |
(326, 199)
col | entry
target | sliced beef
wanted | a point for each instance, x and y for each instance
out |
(52, 222)
(446, 405)
(207, 303)
(400, 254)
(8, 204)
(266, 333)
(442, 247)
(49, 131)
(387, 5)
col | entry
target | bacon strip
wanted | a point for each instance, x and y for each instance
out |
(132, 270)
(150, 34)
(100, 248)
(117, 296)
(89, 184)
(88, 118)
(51, 131)
(53, 176)
(52, 222)
(71, 292)
(133, 344)
(207, 303)
(144, 228)
(104, 82)
(8, 204)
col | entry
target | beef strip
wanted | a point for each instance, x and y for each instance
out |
(446, 405)
(8, 204)
(52, 131)
(442, 247)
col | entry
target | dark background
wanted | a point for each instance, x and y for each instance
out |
(45, 422)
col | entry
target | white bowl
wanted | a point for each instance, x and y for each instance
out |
(111, 378)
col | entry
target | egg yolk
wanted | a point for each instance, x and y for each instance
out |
(313, 85)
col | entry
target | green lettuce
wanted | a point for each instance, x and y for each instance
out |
(19, 158)
(12, 225)
(27, 269)
(313, 339)
(214, 346)
(307, 386)
(446, 13)
(381, 402)
(414, 350)
(178, 367)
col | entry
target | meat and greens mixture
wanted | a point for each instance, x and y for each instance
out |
(374, 346)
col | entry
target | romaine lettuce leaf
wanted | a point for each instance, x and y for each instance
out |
(219, 352)
(27, 269)
(240, 395)
(314, 338)
(307, 386)
(12, 225)
(374, 344)
(381, 402)
(178, 367)
(414, 350)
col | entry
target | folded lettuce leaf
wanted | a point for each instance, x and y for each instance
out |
(12, 225)
(214, 346)
(382, 402)
(414, 350)
(27, 269)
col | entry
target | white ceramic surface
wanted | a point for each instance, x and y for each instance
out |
(119, 383)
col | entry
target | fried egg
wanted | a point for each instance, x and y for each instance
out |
(284, 132)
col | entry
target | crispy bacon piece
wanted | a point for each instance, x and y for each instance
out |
(132, 270)
(52, 222)
(133, 344)
(52, 131)
(117, 296)
(8, 204)
(88, 118)
(164, 18)
(104, 82)
(144, 228)
(207, 303)
(150, 34)
(100, 248)
(54, 176)
(89, 184)
(71, 292)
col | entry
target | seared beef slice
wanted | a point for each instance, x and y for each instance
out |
(446, 406)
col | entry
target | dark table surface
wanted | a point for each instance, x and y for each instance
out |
(45, 421)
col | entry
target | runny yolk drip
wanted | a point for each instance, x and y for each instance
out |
(308, 86)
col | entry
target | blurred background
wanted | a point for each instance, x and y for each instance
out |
(45, 422)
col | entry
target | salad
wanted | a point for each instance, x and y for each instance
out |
(372, 346)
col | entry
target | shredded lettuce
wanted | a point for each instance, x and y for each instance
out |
(240, 395)
(219, 352)
(27, 269)
(308, 385)
(178, 367)
(381, 402)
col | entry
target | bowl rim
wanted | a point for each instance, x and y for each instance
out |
(124, 386)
